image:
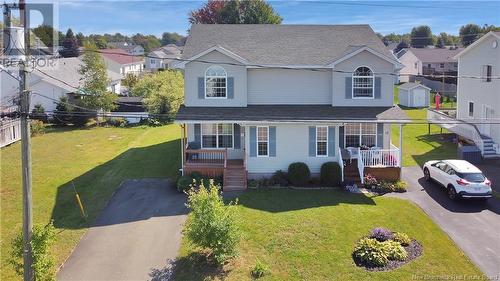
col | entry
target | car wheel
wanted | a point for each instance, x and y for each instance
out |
(427, 175)
(452, 193)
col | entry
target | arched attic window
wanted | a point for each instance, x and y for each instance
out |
(215, 82)
(363, 83)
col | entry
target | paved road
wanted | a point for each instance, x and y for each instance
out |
(473, 225)
(136, 236)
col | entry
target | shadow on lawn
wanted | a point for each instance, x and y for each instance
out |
(271, 200)
(195, 266)
(96, 186)
(445, 148)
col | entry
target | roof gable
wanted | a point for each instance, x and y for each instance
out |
(496, 34)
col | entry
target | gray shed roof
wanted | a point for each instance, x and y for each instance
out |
(283, 44)
(411, 85)
(281, 113)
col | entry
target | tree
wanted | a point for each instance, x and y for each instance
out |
(62, 114)
(95, 81)
(80, 38)
(421, 36)
(70, 45)
(148, 42)
(234, 12)
(469, 33)
(163, 92)
(440, 43)
(212, 224)
(46, 34)
(130, 80)
(171, 38)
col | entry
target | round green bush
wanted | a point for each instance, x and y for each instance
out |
(184, 183)
(370, 252)
(330, 174)
(394, 251)
(298, 173)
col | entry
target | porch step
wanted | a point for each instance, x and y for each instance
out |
(234, 178)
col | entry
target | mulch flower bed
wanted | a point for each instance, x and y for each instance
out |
(414, 250)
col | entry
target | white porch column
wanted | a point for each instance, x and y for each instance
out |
(183, 135)
(401, 149)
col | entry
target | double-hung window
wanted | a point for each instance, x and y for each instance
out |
(471, 109)
(215, 82)
(487, 72)
(360, 134)
(217, 135)
(362, 83)
(262, 141)
(321, 141)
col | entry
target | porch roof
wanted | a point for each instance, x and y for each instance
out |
(292, 113)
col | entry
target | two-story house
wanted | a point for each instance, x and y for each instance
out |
(478, 98)
(164, 57)
(260, 97)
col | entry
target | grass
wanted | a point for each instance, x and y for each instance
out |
(310, 235)
(418, 145)
(96, 160)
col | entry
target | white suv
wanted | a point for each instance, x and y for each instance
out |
(460, 178)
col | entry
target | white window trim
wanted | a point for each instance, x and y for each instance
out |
(473, 108)
(217, 137)
(257, 141)
(352, 84)
(360, 135)
(316, 146)
(215, 98)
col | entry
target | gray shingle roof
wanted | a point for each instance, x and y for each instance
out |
(411, 85)
(290, 113)
(283, 44)
(435, 54)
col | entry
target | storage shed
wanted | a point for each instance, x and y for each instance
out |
(414, 95)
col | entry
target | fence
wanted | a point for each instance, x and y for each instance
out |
(10, 131)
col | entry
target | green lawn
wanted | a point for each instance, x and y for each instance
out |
(418, 145)
(310, 234)
(96, 160)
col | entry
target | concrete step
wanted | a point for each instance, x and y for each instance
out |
(491, 156)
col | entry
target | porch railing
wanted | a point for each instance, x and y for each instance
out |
(209, 157)
(10, 131)
(361, 167)
(380, 157)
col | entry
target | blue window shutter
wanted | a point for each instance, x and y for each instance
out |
(201, 87)
(348, 87)
(230, 87)
(312, 141)
(253, 141)
(380, 134)
(331, 141)
(341, 137)
(197, 134)
(378, 87)
(272, 141)
(237, 136)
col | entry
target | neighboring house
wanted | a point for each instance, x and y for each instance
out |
(118, 60)
(258, 99)
(426, 61)
(52, 86)
(163, 57)
(478, 100)
(136, 50)
(414, 95)
(131, 109)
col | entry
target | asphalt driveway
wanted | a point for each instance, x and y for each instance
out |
(136, 236)
(473, 225)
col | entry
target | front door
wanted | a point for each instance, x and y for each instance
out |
(486, 116)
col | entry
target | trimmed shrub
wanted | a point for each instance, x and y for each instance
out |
(184, 183)
(381, 234)
(330, 174)
(279, 178)
(299, 174)
(196, 176)
(212, 225)
(37, 127)
(260, 269)
(402, 238)
(38, 113)
(370, 252)
(117, 121)
(394, 251)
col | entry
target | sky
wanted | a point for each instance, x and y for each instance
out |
(156, 17)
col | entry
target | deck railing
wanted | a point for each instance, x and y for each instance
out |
(456, 126)
(10, 131)
(380, 157)
(361, 167)
(341, 163)
(209, 157)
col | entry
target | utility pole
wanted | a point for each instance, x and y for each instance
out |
(26, 147)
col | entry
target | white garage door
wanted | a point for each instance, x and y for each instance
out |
(419, 97)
